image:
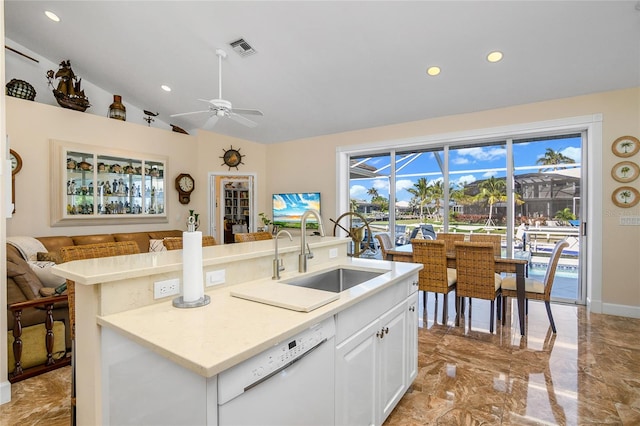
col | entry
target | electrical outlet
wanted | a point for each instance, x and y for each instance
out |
(333, 253)
(166, 288)
(215, 277)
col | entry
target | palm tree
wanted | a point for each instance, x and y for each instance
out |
(553, 158)
(436, 194)
(374, 194)
(492, 191)
(565, 215)
(420, 192)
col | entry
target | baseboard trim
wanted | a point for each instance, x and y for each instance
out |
(5, 392)
(621, 310)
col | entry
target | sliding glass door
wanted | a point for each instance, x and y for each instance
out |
(528, 190)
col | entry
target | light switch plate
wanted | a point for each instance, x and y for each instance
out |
(630, 220)
(215, 277)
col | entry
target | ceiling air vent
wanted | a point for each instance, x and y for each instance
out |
(242, 48)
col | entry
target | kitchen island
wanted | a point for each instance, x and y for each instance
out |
(119, 323)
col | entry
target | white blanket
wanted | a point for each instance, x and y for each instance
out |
(27, 246)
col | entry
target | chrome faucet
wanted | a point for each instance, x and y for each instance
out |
(277, 263)
(304, 255)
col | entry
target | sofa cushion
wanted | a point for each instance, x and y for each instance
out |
(80, 240)
(140, 238)
(156, 245)
(53, 244)
(28, 282)
(160, 235)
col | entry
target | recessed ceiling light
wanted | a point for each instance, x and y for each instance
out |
(433, 71)
(495, 56)
(166, 88)
(52, 16)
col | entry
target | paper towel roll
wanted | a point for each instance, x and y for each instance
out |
(192, 282)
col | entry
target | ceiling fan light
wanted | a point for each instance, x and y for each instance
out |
(220, 113)
(165, 88)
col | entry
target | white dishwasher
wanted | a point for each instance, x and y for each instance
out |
(292, 383)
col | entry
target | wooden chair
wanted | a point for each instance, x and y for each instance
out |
(175, 243)
(495, 239)
(384, 240)
(475, 265)
(435, 276)
(534, 289)
(87, 251)
(450, 238)
(252, 236)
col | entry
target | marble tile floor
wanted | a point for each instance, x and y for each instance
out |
(587, 374)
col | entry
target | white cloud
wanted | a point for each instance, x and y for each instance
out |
(465, 180)
(460, 160)
(382, 185)
(358, 192)
(487, 153)
(489, 174)
(572, 152)
(403, 184)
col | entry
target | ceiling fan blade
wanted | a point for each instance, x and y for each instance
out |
(247, 111)
(211, 122)
(189, 113)
(242, 120)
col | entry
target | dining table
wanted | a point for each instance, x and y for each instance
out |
(503, 264)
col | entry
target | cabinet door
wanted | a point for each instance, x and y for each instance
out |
(356, 377)
(412, 338)
(393, 358)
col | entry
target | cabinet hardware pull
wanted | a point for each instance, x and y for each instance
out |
(380, 334)
(386, 330)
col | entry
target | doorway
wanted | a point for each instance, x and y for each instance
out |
(231, 205)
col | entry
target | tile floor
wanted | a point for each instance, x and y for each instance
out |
(588, 373)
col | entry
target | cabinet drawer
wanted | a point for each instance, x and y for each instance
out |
(357, 317)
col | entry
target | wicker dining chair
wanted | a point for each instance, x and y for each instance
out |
(175, 243)
(475, 266)
(80, 252)
(450, 238)
(534, 289)
(495, 239)
(252, 236)
(435, 276)
(384, 240)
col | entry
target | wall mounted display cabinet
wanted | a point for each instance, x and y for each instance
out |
(92, 185)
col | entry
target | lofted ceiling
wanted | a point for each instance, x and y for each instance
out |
(325, 67)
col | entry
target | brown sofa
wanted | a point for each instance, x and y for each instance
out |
(23, 284)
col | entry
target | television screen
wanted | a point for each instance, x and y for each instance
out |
(288, 209)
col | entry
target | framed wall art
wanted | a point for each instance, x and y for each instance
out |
(625, 171)
(625, 196)
(625, 146)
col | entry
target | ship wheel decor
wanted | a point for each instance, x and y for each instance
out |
(232, 157)
(356, 224)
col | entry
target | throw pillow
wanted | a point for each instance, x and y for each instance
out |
(50, 256)
(42, 270)
(156, 245)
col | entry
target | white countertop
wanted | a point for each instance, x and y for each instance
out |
(212, 338)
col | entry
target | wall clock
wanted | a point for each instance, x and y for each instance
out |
(16, 166)
(185, 186)
(232, 157)
(625, 171)
(625, 146)
(625, 196)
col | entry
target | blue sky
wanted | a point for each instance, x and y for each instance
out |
(466, 165)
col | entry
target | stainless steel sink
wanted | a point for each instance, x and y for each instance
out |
(335, 280)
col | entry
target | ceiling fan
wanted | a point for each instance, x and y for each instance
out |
(222, 108)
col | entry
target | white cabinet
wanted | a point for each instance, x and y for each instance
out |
(412, 337)
(376, 354)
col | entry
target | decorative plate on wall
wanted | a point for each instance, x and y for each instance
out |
(625, 146)
(625, 171)
(625, 196)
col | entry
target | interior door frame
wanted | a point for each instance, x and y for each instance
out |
(215, 211)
